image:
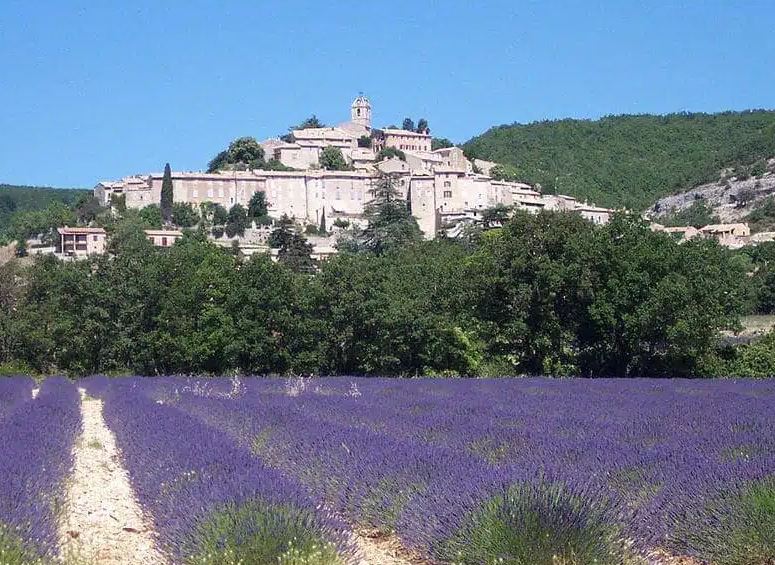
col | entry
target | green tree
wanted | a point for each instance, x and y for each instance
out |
(184, 215)
(322, 229)
(440, 143)
(151, 216)
(389, 153)
(296, 254)
(408, 124)
(258, 207)
(390, 223)
(364, 141)
(281, 235)
(236, 221)
(166, 195)
(422, 126)
(331, 159)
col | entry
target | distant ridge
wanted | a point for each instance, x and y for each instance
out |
(17, 198)
(629, 160)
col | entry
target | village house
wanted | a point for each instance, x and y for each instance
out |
(163, 238)
(81, 242)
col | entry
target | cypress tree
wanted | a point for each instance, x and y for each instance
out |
(166, 195)
(322, 229)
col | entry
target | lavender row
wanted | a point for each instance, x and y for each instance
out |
(424, 493)
(36, 456)
(668, 454)
(210, 500)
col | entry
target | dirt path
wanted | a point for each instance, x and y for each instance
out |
(382, 551)
(103, 523)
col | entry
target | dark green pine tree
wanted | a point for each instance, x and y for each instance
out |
(166, 195)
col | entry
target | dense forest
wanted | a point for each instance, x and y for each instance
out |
(628, 161)
(19, 199)
(544, 294)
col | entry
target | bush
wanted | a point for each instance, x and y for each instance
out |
(538, 525)
(255, 532)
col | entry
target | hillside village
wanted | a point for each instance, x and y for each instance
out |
(444, 189)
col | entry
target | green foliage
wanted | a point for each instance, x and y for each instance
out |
(629, 161)
(762, 217)
(322, 228)
(505, 172)
(236, 221)
(538, 525)
(13, 550)
(151, 216)
(422, 126)
(241, 153)
(258, 532)
(391, 224)
(166, 195)
(364, 141)
(756, 360)
(18, 199)
(258, 207)
(548, 293)
(556, 295)
(184, 215)
(741, 528)
(390, 153)
(440, 143)
(697, 215)
(43, 223)
(341, 223)
(331, 159)
(408, 124)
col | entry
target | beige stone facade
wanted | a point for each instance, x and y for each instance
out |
(163, 238)
(81, 242)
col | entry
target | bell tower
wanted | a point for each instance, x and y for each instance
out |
(360, 111)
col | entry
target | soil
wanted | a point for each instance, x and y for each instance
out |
(103, 522)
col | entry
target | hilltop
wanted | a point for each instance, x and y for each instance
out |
(628, 160)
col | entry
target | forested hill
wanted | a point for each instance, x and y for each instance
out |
(24, 198)
(628, 160)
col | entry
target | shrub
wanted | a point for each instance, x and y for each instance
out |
(538, 525)
(256, 532)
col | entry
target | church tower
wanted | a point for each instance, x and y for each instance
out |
(360, 111)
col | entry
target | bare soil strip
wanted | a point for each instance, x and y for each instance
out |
(383, 550)
(103, 522)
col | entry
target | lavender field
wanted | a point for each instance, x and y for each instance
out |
(523, 471)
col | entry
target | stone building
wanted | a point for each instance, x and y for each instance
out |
(81, 242)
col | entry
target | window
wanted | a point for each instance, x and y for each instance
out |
(220, 192)
(447, 194)
(194, 193)
(164, 242)
(447, 184)
(94, 238)
(209, 193)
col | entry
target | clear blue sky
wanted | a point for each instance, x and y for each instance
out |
(97, 90)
